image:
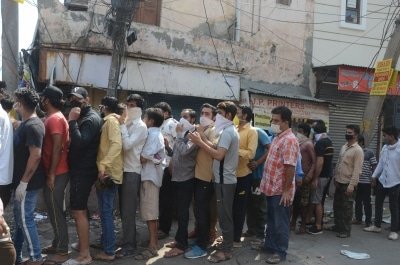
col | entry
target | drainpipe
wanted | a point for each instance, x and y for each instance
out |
(237, 24)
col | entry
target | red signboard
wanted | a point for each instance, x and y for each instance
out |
(360, 80)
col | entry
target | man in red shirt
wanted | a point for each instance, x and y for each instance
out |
(278, 184)
(55, 163)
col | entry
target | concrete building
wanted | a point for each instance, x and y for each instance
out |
(349, 37)
(188, 51)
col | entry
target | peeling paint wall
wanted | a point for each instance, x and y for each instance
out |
(269, 50)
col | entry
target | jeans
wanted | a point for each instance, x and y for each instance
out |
(343, 209)
(106, 199)
(203, 193)
(363, 198)
(166, 204)
(225, 195)
(243, 188)
(183, 195)
(256, 210)
(55, 201)
(129, 202)
(25, 227)
(278, 228)
(394, 197)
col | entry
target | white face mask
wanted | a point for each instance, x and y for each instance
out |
(221, 123)
(133, 113)
(204, 121)
(187, 126)
(276, 129)
(318, 136)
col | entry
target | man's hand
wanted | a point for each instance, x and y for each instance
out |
(74, 114)
(51, 178)
(21, 191)
(101, 175)
(252, 165)
(286, 199)
(166, 143)
(373, 182)
(142, 160)
(315, 183)
(349, 191)
(179, 129)
(195, 138)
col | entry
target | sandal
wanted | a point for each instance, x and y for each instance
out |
(171, 245)
(146, 254)
(175, 252)
(49, 250)
(274, 259)
(77, 262)
(56, 259)
(219, 256)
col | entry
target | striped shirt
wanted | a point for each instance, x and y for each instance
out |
(369, 162)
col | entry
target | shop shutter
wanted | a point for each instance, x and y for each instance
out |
(348, 109)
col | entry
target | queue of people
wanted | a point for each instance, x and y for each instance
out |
(231, 174)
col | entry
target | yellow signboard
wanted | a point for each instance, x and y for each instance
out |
(381, 83)
(383, 66)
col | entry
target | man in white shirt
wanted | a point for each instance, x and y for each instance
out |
(166, 205)
(134, 134)
(388, 175)
(6, 156)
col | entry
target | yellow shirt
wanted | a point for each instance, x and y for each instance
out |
(109, 156)
(248, 141)
(204, 161)
(349, 166)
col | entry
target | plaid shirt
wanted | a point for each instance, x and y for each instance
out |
(284, 150)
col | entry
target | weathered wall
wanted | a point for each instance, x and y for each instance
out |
(335, 44)
(269, 50)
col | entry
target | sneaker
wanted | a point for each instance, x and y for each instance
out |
(373, 228)
(393, 236)
(314, 230)
(195, 253)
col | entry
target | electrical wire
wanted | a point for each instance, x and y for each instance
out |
(216, 53)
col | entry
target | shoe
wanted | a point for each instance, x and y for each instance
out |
(393, 236)
(237, 244)
(356, 222)
(274, 259)
(77, 262)
(342, 235)
(314, 231)
(195, 253)
(126, 253)
(373, 228)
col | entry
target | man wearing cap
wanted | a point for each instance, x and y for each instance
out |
(84, 130)
(55, 163)
(110, 166)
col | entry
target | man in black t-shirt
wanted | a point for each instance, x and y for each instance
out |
(322, 175)
(28, 177)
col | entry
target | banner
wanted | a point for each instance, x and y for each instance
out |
(382, 77)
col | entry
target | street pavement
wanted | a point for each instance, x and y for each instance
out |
(303, 249)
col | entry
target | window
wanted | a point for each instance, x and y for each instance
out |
(148, 12)
(353, 14)
(284, 2)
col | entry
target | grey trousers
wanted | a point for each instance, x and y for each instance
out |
(55, 201)
(129, 204)
(225, 194)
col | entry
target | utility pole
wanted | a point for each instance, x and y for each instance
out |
(9, 43)
(375, 103)
(123, 16)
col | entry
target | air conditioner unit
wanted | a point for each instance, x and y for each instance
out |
(77, 5)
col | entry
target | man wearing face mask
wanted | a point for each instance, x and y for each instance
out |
(322, 176)
(347, 174)
(84, 130)
(248, 140)
(204, 195)
(55, 162)
(278, 184)
(134, 134)
(386, 178)
(226, 156)
(183, 163)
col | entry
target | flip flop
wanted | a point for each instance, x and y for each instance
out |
(175, 252)
(219, 256)
(146, 254)
(171, 245)
(49, 250)
(76, 262)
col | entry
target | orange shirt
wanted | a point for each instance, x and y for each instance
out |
(56, 124)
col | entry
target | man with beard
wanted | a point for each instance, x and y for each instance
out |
(84, 129)
(55, 163)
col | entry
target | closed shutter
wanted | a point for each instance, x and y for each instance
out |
(348, 109)
(148, 12)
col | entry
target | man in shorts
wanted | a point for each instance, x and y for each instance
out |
(322, 175)
(84, 129)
